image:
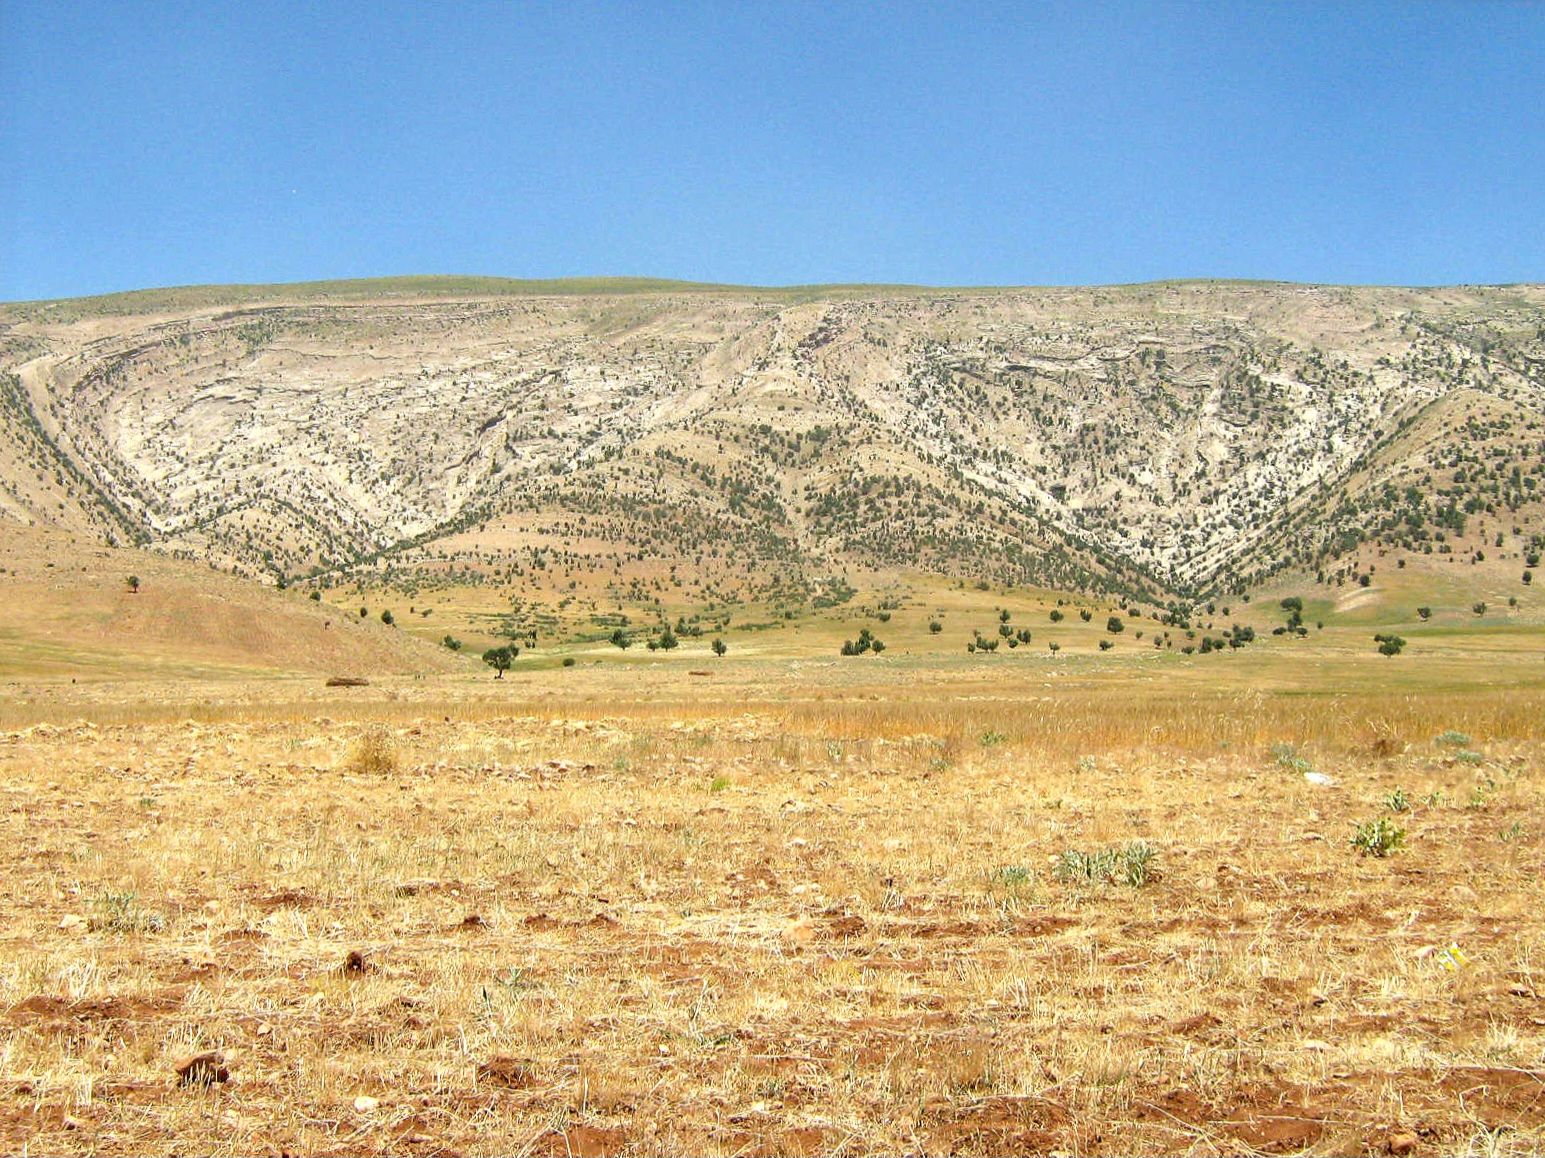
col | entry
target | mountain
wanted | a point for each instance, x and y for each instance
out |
(1171, 440)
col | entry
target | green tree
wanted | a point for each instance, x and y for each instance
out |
(133, 582)
(387, 617)
(500, 659)
(1114, 625)
(452, 642)
(720, 647)
(620, 638)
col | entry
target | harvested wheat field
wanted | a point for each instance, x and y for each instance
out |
(780, 909)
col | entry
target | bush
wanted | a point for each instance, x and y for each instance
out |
(373, 754)
(934, 626)
(1378, 837)
(1056, 616)
(1389, 644)
(451, 642)
(1114, 625)
(1130, 864)
(1424, 612)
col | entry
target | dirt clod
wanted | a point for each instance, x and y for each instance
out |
(203, 1069)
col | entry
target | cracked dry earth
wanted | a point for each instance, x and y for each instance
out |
(733, 935)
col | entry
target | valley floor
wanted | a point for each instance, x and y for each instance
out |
(792, 907)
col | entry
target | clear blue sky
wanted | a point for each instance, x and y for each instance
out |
(147, 144)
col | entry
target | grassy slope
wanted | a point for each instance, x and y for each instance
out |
(68, 611)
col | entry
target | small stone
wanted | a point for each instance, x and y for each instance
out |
(354, 964)
(364, 1104)
(72, 921)
(1402, 1143)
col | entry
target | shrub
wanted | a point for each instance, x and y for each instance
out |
(1287, 757)
(1424, 612)
(373, 754)
(1114, 625)
(568, 661)
(1056, 615)
(1130, 864)
(1390, 644)
(1378, 837)
(934, 626)
(451, 642)
(1106, 645)
(122, 913)
(720, 647)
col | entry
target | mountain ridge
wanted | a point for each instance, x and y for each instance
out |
(1146, 438)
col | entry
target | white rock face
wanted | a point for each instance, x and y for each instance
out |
(1161, 431)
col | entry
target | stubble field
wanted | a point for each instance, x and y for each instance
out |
(780, 907)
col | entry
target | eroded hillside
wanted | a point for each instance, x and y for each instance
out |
(1170, 439)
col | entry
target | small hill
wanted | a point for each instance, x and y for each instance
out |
(67, 609)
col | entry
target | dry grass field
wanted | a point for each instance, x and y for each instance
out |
(781, 906)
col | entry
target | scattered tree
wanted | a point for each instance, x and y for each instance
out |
(720, 647)
(500, 659)
(133, 582)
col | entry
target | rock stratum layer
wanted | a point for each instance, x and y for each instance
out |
(1169, 439)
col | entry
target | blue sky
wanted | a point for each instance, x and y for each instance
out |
(147, 144)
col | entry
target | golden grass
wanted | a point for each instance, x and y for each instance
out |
(781, 911)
